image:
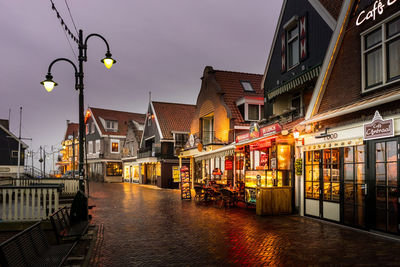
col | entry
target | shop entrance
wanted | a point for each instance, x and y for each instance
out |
(151, 174)
(384, 185)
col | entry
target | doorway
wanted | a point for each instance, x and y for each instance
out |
(384, 185)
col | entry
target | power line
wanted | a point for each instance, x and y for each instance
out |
(73, 22)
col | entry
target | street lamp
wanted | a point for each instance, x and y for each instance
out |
(49, 84)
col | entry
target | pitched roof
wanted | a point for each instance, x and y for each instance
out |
(232, 89)
(122, 117)
(333, 7)
(11, 135)
(72, 129)
(173, 117)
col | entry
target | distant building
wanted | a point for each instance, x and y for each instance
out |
(69, 160)
(9, 152)
(129, 151)
(165, 134)
(106, 136)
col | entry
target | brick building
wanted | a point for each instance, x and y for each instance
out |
(351, 132)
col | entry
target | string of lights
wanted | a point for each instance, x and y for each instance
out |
(63, 24)
(72, 19)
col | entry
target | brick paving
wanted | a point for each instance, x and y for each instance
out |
(146, 226)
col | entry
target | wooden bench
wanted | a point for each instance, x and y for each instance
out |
(64, 228)
(31, 248)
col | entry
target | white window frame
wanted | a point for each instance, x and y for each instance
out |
(98, 148)
(290, 25)
(113, 125)
(90, 147)
(114, 141)
(383, 44)
(248, 102)
(92, 126)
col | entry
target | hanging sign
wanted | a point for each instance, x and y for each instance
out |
(228, 164)
(242, 137)
(378, 7)
(378, 128)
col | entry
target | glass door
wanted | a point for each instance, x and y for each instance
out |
(384, 170)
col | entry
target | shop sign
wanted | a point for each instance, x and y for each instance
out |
(228, 164)
(254, 130)
(271, 129)
(378, 128)
(242, 137)
(378, 7)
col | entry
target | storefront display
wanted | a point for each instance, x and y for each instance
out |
(185, 183)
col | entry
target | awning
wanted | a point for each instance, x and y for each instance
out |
(296, 81)
(335, 144)
(228, 150)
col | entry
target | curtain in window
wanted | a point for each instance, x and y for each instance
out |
(394, 59)
(374, 67)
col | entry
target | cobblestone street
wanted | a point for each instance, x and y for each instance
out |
(147, 226)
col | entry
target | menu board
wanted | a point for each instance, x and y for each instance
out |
(185, 183)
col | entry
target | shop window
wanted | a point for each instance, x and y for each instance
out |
(312, 174)
(284, 157)
(381, 55)
(331, 175)
(114, 169)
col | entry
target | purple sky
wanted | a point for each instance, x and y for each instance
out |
(160, 46)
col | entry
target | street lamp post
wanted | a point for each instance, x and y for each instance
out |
(49, 84)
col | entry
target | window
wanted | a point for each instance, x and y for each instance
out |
(97, 146)
(241, 110)
(114, 169)
(14, 154)
(381, 55)
(90, 147)
(296, 106)
(247, 86)
(92, 127)
(331, 181)
(87, 128)
(207, 130)
(293, 45)
(114, 146)
(112, 126)
(149, 120)
(180, 139)
(253, 112)
(312, 174)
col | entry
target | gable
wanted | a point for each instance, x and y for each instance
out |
(315, 42)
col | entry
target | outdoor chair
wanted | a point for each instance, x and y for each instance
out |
(228, 198)
(200, 193)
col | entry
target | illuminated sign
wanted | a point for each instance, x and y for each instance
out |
(378, 7)
(378, 128)
(271, 129)
(242, 137)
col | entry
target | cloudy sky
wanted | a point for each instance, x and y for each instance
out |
(160, 46)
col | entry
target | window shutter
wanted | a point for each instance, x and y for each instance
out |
(283, 52)
(303, 37)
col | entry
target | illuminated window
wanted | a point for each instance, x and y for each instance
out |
(381, 55)
(114, 169)
(114, 146)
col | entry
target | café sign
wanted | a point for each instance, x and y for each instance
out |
(378, 8)
(378, 128)
(255, 132)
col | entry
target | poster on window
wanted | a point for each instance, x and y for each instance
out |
(175, 174)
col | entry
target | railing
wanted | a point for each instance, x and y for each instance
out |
(288, 115)
(33, 172)
(70, 186)
(28, 203)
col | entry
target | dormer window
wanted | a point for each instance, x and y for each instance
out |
(111, 126)
(247, 86)
(251, 108)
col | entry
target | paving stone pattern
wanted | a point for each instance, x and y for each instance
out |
(146, 226)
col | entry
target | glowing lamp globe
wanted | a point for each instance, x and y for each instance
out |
(49, 83)
(108, 60)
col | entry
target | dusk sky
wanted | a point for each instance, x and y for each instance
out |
(160, 46)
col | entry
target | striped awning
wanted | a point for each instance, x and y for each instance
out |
(299, 80)
(228, 150)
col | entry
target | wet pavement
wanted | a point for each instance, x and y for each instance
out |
(146, 226)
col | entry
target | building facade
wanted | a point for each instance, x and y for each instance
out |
(105, 138)
(165, 133)
(130, 150)
(9, 152)
(226, 105)
(70, 149)
(350, 138)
